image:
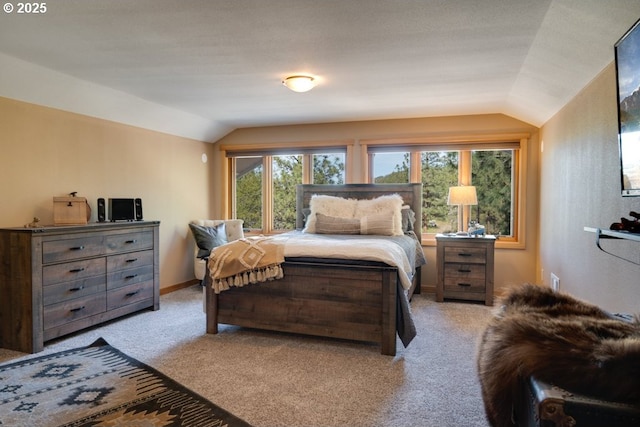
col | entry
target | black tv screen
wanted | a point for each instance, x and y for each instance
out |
(627, 52)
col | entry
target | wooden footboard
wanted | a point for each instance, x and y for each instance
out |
(331, 300)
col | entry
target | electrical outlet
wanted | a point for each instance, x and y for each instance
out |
(555, 283)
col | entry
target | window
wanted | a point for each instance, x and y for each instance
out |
(492, 167)
(390, 168)
(248, 173)
(328, 168)
(439, 171)
(264, 187)
(286, 174)
(262, 181)
(492, 175)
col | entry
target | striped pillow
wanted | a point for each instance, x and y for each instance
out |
(381, 224)
(333, 225)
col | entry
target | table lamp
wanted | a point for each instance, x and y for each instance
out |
(462, 195)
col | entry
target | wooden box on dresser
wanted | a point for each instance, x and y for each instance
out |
(58, 280)
(465, 268)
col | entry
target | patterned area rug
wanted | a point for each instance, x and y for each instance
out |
(100, 386)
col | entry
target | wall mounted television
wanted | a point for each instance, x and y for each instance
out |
(627, 54)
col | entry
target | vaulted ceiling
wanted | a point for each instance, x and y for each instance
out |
(201, 68)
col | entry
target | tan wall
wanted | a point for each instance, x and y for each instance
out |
(513, 266)
(47, 152)
(580, 186)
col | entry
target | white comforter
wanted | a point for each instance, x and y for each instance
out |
(297, 244)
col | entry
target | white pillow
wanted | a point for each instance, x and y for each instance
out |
(389, 205)
(330, 206)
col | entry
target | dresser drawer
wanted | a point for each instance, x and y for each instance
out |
(129, 276)
(66, 291)
(73, 271)
(475, 255)
(129, 294)
(128, 242)
(129, 260)
(70, 249)
(69, 311)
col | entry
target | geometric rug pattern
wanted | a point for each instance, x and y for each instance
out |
(100, 386)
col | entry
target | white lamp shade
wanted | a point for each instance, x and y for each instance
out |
(462, 195)
(299, 83)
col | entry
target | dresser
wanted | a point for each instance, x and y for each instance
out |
(58, 280)
(465, 268)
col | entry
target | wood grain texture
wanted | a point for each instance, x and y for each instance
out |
(57, 280)
(465, 268)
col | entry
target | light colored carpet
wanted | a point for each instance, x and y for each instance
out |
(271, 379)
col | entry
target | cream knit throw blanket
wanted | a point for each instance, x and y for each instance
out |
(245, 261)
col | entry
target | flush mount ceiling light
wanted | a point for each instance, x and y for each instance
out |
(299, 83)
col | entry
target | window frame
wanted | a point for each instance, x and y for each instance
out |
(358, 166)
(267, 152)
(465, 144)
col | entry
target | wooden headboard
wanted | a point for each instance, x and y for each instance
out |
(410, 193)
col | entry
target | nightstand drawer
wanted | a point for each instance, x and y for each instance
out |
(452, 284)
(464, 271)
(477, 255)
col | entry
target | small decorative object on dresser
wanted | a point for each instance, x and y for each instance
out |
(58, 280)
(71, 210)
(465, 268)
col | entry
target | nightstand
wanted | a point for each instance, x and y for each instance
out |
(465, 268)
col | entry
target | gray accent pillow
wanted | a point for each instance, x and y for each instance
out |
(408, 219)
(208, 238)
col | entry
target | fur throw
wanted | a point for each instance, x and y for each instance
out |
(560, 340)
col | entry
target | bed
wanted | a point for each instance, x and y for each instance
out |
(353, 299)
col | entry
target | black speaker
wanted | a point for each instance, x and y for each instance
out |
(102, 215)
(138, 203)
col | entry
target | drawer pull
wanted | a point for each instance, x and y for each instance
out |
(79, 288)
(131, 241)
(75, 310)
(76, 270)
(130, 294)
(464, 284)
(132, 260)
(131, 276)
(464, 254)
(77, 248)
(462, 270)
